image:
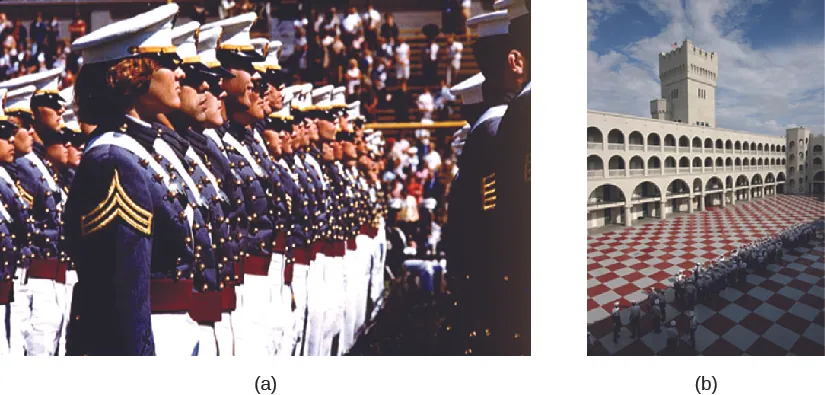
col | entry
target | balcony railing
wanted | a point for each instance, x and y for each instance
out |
(684, 149)
(595, 173)
(670, 170)
(637, 147)
(654, 147)
(615, 146)
(591, 145)
(617, 172)
(637, 172)
(670, 148)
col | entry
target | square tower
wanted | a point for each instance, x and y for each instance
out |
(688, 78)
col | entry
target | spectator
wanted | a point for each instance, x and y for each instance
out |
(366, 62)
(77, 28)
(372, 23)
(369, 102)
(389, 30)
(20, 33)
(402, 61)
(353, 77)
(226, 9)
(465, 15)
(351, 26)
(379, 77)
(432, 159)
(52, 30)
(443, 100)
(329, 24)
(426, 104)
(38, 30)
(454, 49)
(5, 25)
(430, 63)
(386, 49)
(401, 103)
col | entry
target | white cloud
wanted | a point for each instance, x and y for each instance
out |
(597, 11)
(759, 90)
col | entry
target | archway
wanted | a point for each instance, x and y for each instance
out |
(637, 141)
(654, 165)
(780, 182)
(646, 201)
(595, 166)
(615, 140)
(756, 186)
(616, 166)
(605, 206)
(654, 141)
(742, 187)
(678, 196)
(637, 166)
(714, 193)
(818, 185)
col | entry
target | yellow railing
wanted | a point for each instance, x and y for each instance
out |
(415, 125)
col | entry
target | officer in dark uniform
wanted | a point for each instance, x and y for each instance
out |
(512, 170)
(130, 235)
(38, 182)
(16, 227)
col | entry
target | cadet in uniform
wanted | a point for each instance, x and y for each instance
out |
(252, 322)
(512, 173)
(131, 233)
(42, 300)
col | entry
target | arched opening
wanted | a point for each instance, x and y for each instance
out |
(780, 182)
(697, 201)
(784, 148)
(729, 182)
(753, 146)
(615, 139)
(773, 161)
(746, 162)
(654, 141)
(720, 145)
(791, 146)
(709, 143)
(791, 171)
(714, 193)
(654, 165)
(637, 166)
(645, 199)
(637, 141)
(738, 163)
(742, 188)
(817, 148)
(697, 164)
(791, 158)
(684, 143)
(759, 162)
(783, 161)
(720, 164)
(801, 156)
(817, 161)
(697, 144)
(773, 148)
(595, 166)
(818, 185)
(605, 206)
(709, 163)
(670, 165)
(678, 195)
(616, 166)
(760, 148)
(728, 145)
(737, 146)
(801, 169)
(670, 141)
(756, 186)
(684, 164)
(728, 164)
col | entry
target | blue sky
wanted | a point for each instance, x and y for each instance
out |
(771, 57)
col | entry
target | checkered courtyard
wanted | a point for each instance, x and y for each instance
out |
(777, 311)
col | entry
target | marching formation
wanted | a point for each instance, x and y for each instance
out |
(181, 200)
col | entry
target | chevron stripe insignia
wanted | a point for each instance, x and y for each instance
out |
(117, 203)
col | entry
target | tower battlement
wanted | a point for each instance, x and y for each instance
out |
(688, 82)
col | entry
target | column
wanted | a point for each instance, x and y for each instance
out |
(628, 221)
(690, 204)
(724, 198)
(702, 202)
(662, 207)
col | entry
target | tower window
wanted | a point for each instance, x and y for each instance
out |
(674, 94)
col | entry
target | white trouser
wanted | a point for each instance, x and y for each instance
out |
(4, 341)
(44, 304)
(252, 321)
(316, 292)
(20, 317)
(348, 332)
(176, 334)
(334, 321)
(300, 275)
(377, 273)
(71, 280)
(224, 335)
(362, 277)
(207, 341)
(281, 305)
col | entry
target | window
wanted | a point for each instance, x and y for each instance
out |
(674, 94)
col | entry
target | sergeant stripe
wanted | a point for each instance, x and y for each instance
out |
(117, 203)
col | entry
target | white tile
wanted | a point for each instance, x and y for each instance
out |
(791, 293)
(768, 311)
(704, 338)
(605, 298)
(656, 341)
(815, 333)
(804, 311)
(740, 337)
(760, 293)
(615, 283)
(644, 282)
(624, 271)
(598, 272)
(597, 315)
(781, 278)
(781, 336)
(734, 312)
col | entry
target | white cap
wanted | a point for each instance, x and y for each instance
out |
(68, 95)
(148, 32)
(494, 23)
(339, 97)
(289, 94)
(429, 204)
(236, 32)
(470, 89)
(321, 98)
(273, 53)
(19, 99)
(73, 125)
(184, 38)
(354, 109)
(515, 8)
(206, 41)
(43, 82)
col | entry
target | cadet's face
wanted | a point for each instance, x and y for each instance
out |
(349, 151)
(214, 117)
(58, 154)
(238, 90)
(286, 143)
(275, 99)
(326, 130)
(344, 124)
(23, 141)
(193, 102)
(49, 117)
(7, 150)
(74, 156)
(337, 150)
(327, 153)
(273, 143)
(164, 90)
(298, 137)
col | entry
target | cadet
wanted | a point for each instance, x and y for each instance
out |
(131, 234)
(42, 301)
(617, 322)
(252, 321)
(512, 176)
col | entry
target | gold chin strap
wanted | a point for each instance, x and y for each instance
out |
(151, 50)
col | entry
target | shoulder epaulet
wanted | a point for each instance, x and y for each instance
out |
(25, 194)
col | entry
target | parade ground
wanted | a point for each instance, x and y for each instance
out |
(777, 311)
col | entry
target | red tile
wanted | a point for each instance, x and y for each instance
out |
(665, 257)
(663, 265)
(748, 302)
(593, 266)
(788, 272)
(765, 347)
(636, 348)
(815, 272)
(626, 289)
(782, 302)
(771, 285)
(639, 266)
(607, 277)
(659, 276)
(614, 267)
(718, 324)
(591, 304)
(688, 256)
(800, 285)
(794, 323)
(600, 258)
(597, 290)
(756, 323)
(633, 277)
(808, 347)
(813, 301)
